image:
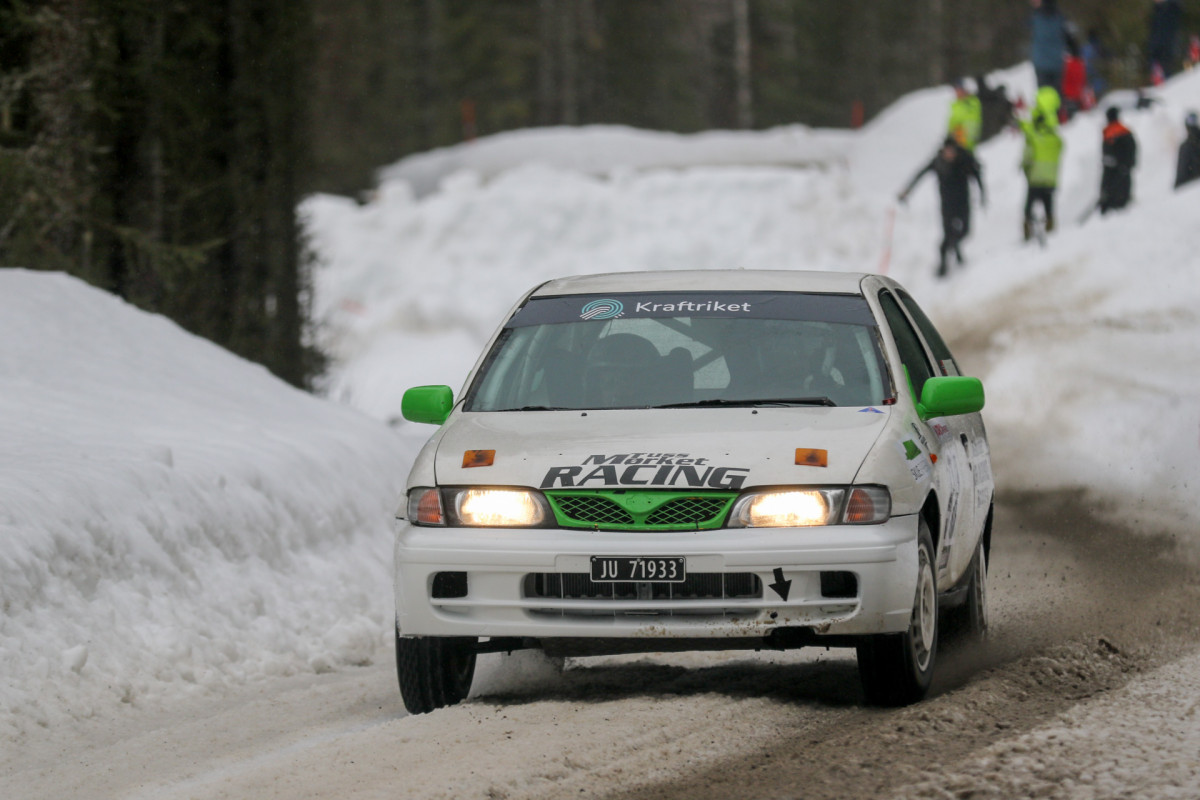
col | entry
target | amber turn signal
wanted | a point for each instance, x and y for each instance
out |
(809, 457)
(478, 458)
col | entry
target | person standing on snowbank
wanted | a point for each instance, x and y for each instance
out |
(995, 108)
(1119, 155)
(1164, 30)
(1043, 152)
(1074, 82)
(1095, 56)
(1192, 58)
(1188, 167)
(966, 117)
(954, 167)
(1048, 42)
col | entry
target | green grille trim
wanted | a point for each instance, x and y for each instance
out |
(624, 510)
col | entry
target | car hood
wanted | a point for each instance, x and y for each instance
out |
(694, 448)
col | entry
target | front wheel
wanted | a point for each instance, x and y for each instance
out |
(896, 669)
(434, 671)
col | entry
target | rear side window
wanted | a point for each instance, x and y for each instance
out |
(945, 361)
(912, 354)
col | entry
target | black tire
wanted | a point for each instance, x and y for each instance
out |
(968, 623)
(434, 671)
(897, 669)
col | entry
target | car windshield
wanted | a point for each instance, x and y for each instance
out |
(683, 349)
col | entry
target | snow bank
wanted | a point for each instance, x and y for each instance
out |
(172, 517)
(600, 150)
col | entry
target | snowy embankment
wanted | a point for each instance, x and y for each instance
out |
(601, 150)
(172, 518)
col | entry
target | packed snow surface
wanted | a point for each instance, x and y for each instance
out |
(173, 520)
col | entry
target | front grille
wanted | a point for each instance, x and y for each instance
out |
(687, 511)
(697, 586)
(593, 509)
(654, 510)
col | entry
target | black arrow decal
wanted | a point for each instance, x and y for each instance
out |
(781, 586)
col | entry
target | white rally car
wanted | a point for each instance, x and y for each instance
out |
(647, 462)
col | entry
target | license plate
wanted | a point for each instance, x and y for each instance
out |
(638, 569)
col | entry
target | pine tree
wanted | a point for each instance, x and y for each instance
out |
(165, 158)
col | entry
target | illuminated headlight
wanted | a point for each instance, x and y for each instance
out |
(802, 508)
(478, 508)
(498, 508)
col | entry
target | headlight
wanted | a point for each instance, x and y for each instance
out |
(786, 509)
(801, 508)
(478, 507)
(498, 508)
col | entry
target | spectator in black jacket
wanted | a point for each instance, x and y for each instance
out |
(954, 167)
(1188, 168)
(1164, 30)
(997, 108)
(1119, 157)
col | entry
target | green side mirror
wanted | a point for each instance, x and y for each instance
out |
(430, 404)
(948, 396)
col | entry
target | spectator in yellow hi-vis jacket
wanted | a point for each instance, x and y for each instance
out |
(966, 117)
(1043, 152)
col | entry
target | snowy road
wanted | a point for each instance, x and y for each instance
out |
(1079, 609)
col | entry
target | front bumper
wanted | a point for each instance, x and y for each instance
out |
(499, 598)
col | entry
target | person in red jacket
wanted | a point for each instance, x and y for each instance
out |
(1192, 59)
(1074, 81)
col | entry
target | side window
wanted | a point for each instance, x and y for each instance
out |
(912, 354)
(946, 362)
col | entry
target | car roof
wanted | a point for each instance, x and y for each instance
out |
(706, 280)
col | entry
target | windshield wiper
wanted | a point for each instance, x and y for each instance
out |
(537, 408)
(754, 402)
(797, 401)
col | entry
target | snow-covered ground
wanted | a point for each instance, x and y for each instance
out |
(174, 521)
